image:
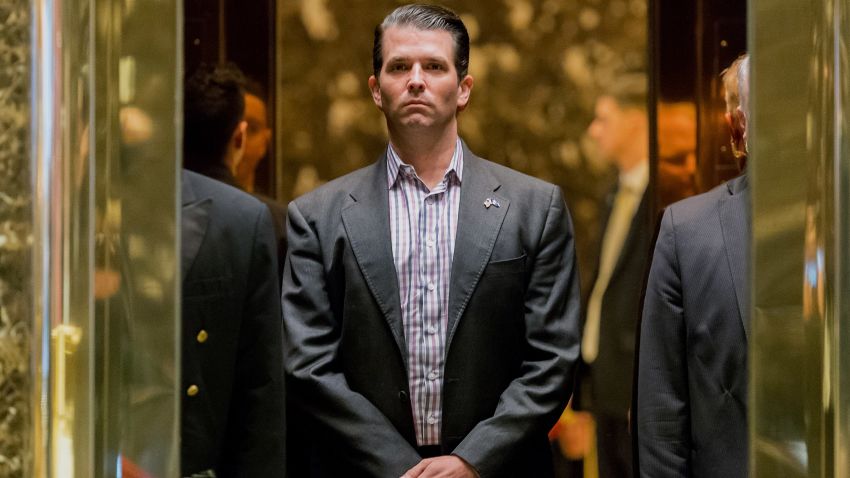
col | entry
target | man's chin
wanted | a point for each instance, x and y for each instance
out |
(416, 122)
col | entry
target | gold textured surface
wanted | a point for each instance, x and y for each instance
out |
(799, 398)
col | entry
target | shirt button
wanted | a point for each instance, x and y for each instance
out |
(192, 390)
(431, 286)
(430, 243)
(432, 420)
(432, 329)
(433, 374)
(202, 336)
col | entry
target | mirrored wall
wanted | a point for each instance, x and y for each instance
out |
(799, 402)
(103, 155)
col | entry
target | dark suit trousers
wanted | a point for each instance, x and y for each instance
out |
(614, 448)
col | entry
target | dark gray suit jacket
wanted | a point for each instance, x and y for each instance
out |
(513, 325)
(234, 425)
(692, 371)
(610, 376)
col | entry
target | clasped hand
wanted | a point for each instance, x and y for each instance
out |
(449, 466)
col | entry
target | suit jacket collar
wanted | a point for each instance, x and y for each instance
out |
(734, 210)
(367, 224)
(193, 223)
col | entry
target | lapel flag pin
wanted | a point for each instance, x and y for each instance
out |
(491, 202)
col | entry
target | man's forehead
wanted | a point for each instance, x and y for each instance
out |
(400, 41)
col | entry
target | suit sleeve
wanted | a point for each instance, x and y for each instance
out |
(257, 427)
(533, 401)
(663, 414)
(357, 429)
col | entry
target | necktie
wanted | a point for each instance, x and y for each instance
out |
(625, 205)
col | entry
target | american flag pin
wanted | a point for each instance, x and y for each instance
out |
(491, 202)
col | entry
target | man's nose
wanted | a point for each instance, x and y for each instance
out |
(415, 81)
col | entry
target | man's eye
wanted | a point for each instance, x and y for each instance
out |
(435, 66)
(397, 67)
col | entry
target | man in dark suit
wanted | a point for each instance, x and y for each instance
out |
(692, 373)
(233, 405)
(620, 132)
(215, 106)
(430, 300)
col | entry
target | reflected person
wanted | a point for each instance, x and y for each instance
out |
(620, 130)
(691, 406)
(233, 420)
(257, 135)
(223, 101)
(430, 300)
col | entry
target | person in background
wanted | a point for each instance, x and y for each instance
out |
(257, 135)
(232, 409)
(222, 101)
(620, 131)
(691, 405)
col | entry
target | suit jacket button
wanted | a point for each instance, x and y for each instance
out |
(202, 336)
(402, 396)
(192, 390)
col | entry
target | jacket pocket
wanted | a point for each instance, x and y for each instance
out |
(507, 266)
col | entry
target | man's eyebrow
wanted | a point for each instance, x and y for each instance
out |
(401, 58)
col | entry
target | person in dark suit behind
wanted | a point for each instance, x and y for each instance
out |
(430, 300)
(215, 106)
(620, 132)
(233, 420)
(692, 373)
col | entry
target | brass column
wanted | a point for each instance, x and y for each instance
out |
(800, 350)
(104, 157)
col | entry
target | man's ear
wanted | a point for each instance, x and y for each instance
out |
(375, 88)
(239, 135)
(741, 119)
(237, 145)
(464, 91)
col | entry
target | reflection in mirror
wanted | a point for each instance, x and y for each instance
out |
(692, 42)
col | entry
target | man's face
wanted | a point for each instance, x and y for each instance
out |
(257, 135)
(609, 128)
(418, 86)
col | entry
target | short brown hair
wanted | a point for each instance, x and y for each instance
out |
(425, 17)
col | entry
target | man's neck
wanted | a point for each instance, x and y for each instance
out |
(429, 155)
(246, 180)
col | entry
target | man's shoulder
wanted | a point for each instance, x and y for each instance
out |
(696, 208)
(698, 217)
(516, 181)
(226, 199)
(335, 190)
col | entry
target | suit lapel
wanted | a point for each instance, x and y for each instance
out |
(367, 224)
(477, 229)
(193, 224)
(734, 220)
